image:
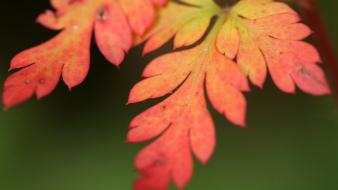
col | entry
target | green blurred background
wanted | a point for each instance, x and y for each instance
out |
(75, 140)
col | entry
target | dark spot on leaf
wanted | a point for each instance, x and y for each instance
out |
(102, 15)
(160, 161)
(225, 3)
(304, 72)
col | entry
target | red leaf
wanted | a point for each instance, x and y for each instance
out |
(68, 53)
(182, 120)
(269, 35)
(258, 34)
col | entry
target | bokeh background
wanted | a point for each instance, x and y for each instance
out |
(76, 140)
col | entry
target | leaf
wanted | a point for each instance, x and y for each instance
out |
(68, 54)
(183, 118)
(181, 124)
(266, 35)
(190, 18)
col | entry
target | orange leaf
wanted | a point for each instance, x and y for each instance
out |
(170, 23)
(183, 118)
(266, 34)
(68, 54)
(257, 33)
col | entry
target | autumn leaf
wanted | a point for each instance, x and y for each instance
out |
(243, 41)
(265, 35)
(183, 120)
(194, 18)
(68, 54)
